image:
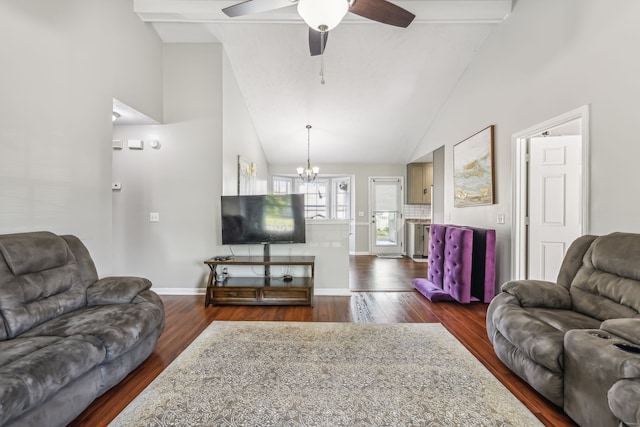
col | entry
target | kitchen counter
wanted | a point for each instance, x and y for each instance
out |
(418, 221)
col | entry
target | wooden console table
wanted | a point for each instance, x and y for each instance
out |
(266, 290)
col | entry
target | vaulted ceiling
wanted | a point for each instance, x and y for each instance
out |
(384, 85)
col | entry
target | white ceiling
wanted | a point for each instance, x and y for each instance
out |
(384, 85)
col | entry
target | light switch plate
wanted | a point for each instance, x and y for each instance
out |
(154, 217)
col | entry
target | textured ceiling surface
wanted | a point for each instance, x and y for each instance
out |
(384, 85)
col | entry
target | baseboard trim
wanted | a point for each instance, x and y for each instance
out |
(178, 291)
(360, 253)
(333, 292)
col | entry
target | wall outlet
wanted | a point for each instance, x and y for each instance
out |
(500, 219)
(154, 217)
(360, 213)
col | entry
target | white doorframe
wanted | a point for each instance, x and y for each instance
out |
(400, 179)
(520, 184)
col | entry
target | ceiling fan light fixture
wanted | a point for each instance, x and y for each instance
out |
(323, 15)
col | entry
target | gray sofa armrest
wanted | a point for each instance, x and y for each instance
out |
(629, 329)
(538, 293)
(116, 290)
(624, 396)
(623, 400)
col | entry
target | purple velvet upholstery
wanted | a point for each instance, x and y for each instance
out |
(432, 287)
(436, 254)
(461, 264)
(458, 252)
(431, 291)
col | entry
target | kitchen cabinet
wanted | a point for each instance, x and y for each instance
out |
(419, 181)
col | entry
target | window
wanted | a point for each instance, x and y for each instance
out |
(326, 197)
(282, 185)
(316, 198)
(342, 198)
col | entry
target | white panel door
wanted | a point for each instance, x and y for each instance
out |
(555, 188)
(386, 215)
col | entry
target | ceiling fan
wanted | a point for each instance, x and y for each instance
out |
(323, 15)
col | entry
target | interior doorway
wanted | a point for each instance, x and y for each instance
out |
(386, 229)
(551, 193)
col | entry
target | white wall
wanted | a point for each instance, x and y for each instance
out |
(239, 137)
(136, 69)
(361, 172)
(182, 181)
(58, 79)
(548, 58)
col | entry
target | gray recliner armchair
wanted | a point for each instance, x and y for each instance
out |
(577, 341)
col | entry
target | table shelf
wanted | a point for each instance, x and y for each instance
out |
(260, 290)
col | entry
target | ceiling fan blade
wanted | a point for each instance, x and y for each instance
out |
(382, 11)
(256, 6)
(317, 41)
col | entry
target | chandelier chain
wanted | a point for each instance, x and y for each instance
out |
(309, 174)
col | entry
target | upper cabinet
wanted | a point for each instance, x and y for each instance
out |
(419, 181)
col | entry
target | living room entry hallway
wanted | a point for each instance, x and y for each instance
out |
(369, 273)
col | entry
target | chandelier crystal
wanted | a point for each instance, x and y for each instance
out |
(310, 173)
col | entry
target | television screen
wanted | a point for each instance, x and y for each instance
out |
(263, 219)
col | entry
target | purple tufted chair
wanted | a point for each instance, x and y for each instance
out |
(461, 264)
(450, 255)
(458, 253)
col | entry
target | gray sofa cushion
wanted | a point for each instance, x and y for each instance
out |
(548, 383)
(117, 326)
(538, 293)
(537, 332)
(40, 251)
(87, 268)
(44, 286)
(606, 286)
(115, 290)
(34, 369)
(629, 329)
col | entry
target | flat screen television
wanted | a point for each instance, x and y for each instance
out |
(263, 219)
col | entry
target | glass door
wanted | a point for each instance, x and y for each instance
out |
(386, 216)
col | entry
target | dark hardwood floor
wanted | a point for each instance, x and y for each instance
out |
(370, 273)
(186, 318)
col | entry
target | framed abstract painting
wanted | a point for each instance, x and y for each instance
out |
(473, 178)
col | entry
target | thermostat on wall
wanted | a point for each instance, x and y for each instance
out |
(134, 144)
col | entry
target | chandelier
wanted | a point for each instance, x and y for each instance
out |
(309, 174)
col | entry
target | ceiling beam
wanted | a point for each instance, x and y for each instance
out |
(426, 11)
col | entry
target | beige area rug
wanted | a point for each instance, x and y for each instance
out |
(325, 374)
